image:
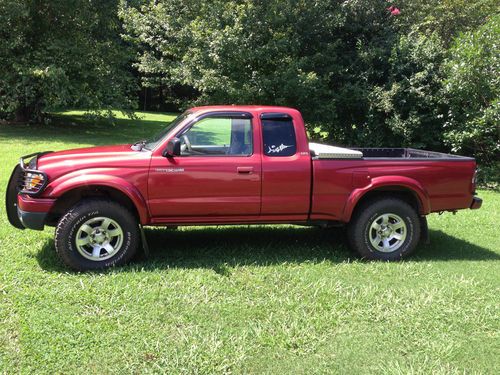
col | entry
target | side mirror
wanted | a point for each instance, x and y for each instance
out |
(173, 148)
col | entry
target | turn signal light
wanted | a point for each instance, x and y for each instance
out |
(33, 182)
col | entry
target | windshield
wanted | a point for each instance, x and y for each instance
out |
(153, 142)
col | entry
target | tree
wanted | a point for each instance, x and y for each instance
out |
(321, 56)
(61, 53)
(411, 101)
(472, 89)
(368, 72)
(443, 19)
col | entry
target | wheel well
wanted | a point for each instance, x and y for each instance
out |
(72, 197)
(399, 192)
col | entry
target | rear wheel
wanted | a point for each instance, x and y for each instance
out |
(96, 234)
(385, 229)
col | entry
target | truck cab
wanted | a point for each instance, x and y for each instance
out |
(252, 165)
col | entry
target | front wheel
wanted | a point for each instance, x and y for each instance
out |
(96, 234)
(384, 229)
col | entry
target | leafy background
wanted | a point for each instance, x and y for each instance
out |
(363, 72)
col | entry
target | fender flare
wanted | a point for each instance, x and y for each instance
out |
(376, 183)
(114, 182)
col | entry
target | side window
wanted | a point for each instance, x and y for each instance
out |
(279, 137)
(218, 136)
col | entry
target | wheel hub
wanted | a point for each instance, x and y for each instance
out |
(99, 238)
(387, 232)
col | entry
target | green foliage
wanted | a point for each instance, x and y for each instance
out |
(237, 52)
(473, 92)
(360, 74)
(446, 18)
(320, 57)
(61, 53)
(410, 102)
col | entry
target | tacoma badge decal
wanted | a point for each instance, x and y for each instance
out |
(169, 170)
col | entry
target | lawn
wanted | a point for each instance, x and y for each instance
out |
(273, 300)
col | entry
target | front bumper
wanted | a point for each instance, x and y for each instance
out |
(32, 220)
(32, 212)
(22, 208)
(24, 211)
(476, 203)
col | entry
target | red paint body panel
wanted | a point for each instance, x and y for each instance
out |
(439, 185)
(248, 189)
(116, 167)
(204, 186)
(286, 181)
(29, 204)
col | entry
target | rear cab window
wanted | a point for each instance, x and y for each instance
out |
(278, 134)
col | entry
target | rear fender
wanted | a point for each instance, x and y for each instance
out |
(118, 183)
(379, 183)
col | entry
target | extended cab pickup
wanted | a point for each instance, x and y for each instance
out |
(234, 165)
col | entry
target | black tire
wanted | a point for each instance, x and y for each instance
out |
(361, 234)
(72, 224)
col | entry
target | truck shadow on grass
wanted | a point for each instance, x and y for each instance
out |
(223, 247)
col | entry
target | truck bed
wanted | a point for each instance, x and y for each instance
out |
(445, 181)
(406, 153)
(323, 151)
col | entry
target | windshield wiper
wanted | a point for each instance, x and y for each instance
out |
(138, 146)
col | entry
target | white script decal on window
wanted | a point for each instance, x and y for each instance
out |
(277, 149)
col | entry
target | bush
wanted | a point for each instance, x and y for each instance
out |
(61, 53)
(410, 103)
(473, 92)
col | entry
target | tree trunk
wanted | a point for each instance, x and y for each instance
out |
(24, 114)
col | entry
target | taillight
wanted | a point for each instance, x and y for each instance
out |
(474, 180)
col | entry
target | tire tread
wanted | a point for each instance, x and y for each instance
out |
(64, 226)
(356, 228)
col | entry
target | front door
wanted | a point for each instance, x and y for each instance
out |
(218, 173)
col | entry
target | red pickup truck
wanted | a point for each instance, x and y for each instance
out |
(234, 165)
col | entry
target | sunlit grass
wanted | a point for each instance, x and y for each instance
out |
(278, 299)
(120, 115)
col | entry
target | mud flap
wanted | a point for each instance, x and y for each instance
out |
(144, 242)
(11, 197)
(424, 231)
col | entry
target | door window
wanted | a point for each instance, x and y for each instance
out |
(279, 137)
(218, 136)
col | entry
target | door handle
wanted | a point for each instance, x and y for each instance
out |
(244, 170)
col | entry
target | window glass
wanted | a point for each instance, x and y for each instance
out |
(218, 136)
(279, 137)
(153, 142)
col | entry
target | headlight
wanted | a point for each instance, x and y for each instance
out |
(33, 182)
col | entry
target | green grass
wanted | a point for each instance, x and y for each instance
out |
(211, 132)
(274, 300)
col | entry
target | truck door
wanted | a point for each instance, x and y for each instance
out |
(286, 166)
(218, 173)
